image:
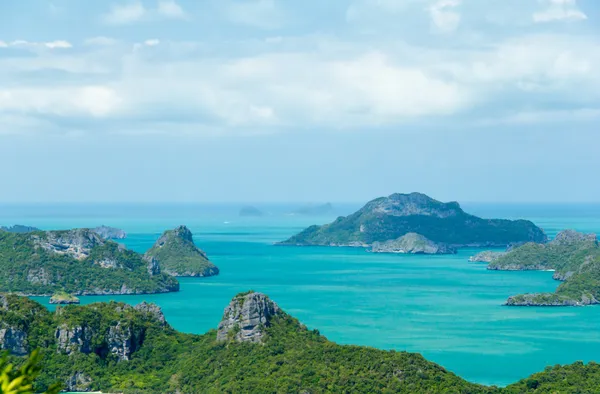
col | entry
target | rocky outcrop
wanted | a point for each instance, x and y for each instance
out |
(177, 255)
(73, 339)
(121, 341)
(412, 243)
(63, 298)
(14, 340)
(110, 232)
(246, 318)
(549, 299)
(153, 265)
(569, 237)
(79, 382)
(76, 243)
(151, 310)
(487, 256)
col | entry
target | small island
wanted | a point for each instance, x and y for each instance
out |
(63, 298)
(314, 210)
(412, 243)
(177, 255)
(110, 232)
(250, 211)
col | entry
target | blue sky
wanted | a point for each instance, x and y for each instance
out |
(280, 100)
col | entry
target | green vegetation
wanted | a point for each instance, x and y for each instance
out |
(389, 218)
(179, 256)
(575, 257)
(62, 297)
(20, 380)
(292, 358)
(42, 263)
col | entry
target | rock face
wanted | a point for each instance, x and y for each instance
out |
(121, 341)
(110, 232)
(177, 255)
(20, 229)
(249, 211)
(389, 218)
(76, 243)
(151, 310)
(486, 257)
(14, 340)
(246, 317)
(79, 381)
(569, 237)
(412, 243)
(73, 339)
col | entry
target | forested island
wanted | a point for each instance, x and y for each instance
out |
(389, 218)
(257, 348)
(575, 259)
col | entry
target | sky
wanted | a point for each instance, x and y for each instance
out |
(299, 101)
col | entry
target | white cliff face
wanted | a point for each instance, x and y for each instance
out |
(73, 339)
(246, 317)
(76, 243)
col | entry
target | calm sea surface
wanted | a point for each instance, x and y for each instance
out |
(443, 307)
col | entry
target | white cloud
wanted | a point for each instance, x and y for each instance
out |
(135, 11)
(444, 16)
(264, 14)
(559, 10)
(170, 9)
(125, 13)
(58, 44)
(3, 44)
(152, 42)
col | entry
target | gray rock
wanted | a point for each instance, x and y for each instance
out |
(73, 339)
(153, 265)
(76, 243)
(562, 276)
(79, 381)
(486, 257)
(151, 310)
(246, 317)
(110, 232)
(14, 340)
(412, 243)
(120, 341)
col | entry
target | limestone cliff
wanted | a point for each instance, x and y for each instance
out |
(412, 243)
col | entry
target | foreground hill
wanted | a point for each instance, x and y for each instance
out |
(76, 261)
(177, 255)
(258, 348)
(389, 218)
(575, 258)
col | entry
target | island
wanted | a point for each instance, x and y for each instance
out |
(110, 232)
(314, 210)
(389, 218)
(575, 259)
(250, 211)
(118, 348)
(19, 228)
(177, 255)
(412, 243)
(63, 298)
(77, 261)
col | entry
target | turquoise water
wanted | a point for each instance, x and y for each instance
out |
(443, 307)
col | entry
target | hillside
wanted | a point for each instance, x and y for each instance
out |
(258, 348)
(79, 262)
(177, 255)
(389, 218)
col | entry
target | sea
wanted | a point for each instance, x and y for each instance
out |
(443, 307)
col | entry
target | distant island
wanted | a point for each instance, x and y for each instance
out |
(177, 255)
(19, 229)
(389, 218)
(314, 210)
(110, 232)
(250, 211)
(114, 347)
(575, 259)
(412, 243)
(78, 262)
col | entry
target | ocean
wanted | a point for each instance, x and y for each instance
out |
(443, 307)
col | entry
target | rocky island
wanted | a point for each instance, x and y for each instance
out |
(79, 262)
(250, 211)
(177, 255)
(110, 232)
(314, 210)
(412, 243)
(389, 218)
(114, 347)
(575, 259)
(63, 298)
